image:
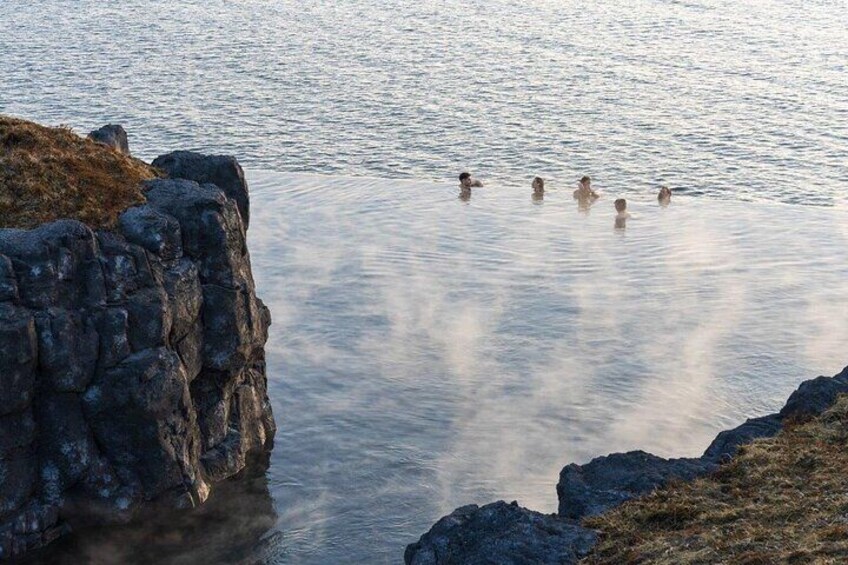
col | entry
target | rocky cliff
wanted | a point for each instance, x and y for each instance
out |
(132, 369)
(508, 534)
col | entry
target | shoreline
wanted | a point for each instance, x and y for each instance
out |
(507, 533)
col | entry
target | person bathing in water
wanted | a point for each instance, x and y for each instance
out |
(538, 189)
(584, 190)
(664, 197)
(466, 181)
(621, 215)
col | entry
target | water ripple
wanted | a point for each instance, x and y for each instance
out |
(689, 94)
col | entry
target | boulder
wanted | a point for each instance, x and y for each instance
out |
(815, 396)
(727, 442)
(56, 264)
(153, 230)
(213, 233)
(112, 135)
(500, 533)
(220, 170)
(606, 482)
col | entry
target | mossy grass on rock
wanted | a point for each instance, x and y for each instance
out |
(51, 173)
(779, 500)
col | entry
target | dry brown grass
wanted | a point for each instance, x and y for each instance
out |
(780, 500)
(52, 173)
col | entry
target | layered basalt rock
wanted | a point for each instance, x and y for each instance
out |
(471, 534)
(132, 367)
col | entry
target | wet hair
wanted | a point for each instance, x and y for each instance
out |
(540, 182)
(665, 191)
(463, 176)
(586, 179)
(620, 205)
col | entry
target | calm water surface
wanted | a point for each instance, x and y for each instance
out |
(428, 352)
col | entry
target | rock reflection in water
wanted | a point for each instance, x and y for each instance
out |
(233, 526)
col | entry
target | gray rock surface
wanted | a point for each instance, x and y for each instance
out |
(220, 170)
(112, 135)
(132, 367)
(727, 442)
(606, 482)
(500, 533)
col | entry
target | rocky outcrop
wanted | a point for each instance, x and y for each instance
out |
(587, 490)
(605, 482)
(221, 170)
(597, 486)
(113, 136)
(500, 533)
(132, 368)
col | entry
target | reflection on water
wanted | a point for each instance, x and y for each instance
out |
(426, 355)
(234, 526)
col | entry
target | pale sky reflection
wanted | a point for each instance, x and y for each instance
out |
(440, 354)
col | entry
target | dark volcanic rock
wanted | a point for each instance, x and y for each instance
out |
(500, 533)
(154, 231)
(606, 482)
(727, 442)
(132, 366)
(112, 135)
(220, 170)
(815, 396)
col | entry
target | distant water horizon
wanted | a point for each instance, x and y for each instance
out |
(715, 98)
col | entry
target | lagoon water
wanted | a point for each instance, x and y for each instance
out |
(428, 352)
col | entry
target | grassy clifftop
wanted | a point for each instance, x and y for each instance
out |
(52, 173)
(780, 500)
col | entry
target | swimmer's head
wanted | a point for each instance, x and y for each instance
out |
(465, 180)
(620, 205)
(664, 193)
(586, 181)
(538, 184)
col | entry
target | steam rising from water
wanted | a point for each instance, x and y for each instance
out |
(428, 353)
